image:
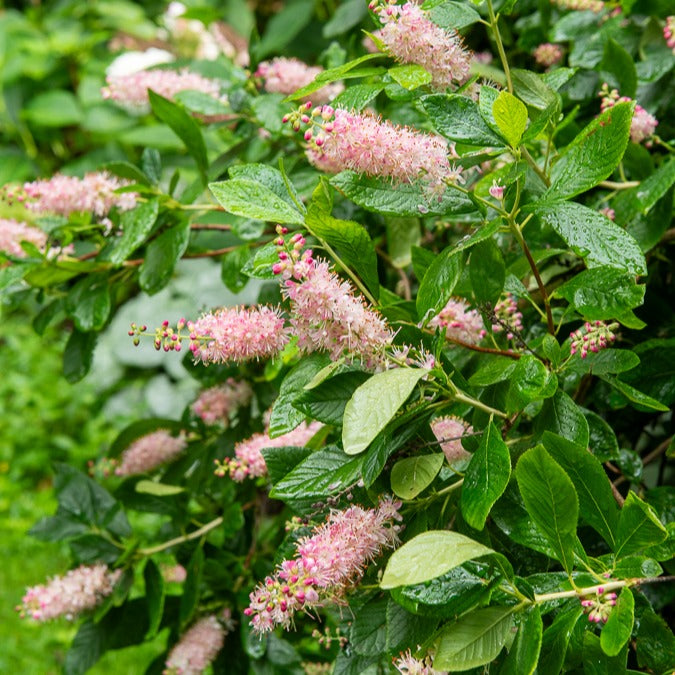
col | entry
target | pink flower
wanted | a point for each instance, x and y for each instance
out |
(249, 461)
(669, 32)
(287, 75)
(407, 664)
(449, 431)
(592, 338)
(643, 125)
(131, 91)
(411, 37)
(327, 564)
(217, 404)
(460, 322)
(599, 607)
(78, 591)
(197, 648)
(496, 190)
(508, 317)
(149, 452)
(13, 232)
(176, 574)
(63, 195)
(581, 5)
(548, 54)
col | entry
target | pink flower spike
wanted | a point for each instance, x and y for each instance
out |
(149, 452)
(197, 648)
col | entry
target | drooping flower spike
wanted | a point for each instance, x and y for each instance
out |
(197, 648)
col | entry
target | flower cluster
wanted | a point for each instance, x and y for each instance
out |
(63, 195)
(459, 322)
(669, 32)
(149, 452)
(449, 431)
(599, 607)
(217, 404)
(507, 317)
(249, 462)
(407, 664)
(286, 75)
(592, 338)
(548, 54)
(134, 61)
(326, 315)
(642, 126)
(226, 334)
(13, 232)
(410, 36)
(581, 5)
(176, 574)
(197, 648)
(131, 91)
(77, 591)
(327, 564)
(339, 140)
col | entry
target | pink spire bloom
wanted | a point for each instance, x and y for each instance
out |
(642, 126)
(407, 664)
(217, 404)
(63, 195)
(327, 564)
(78, 591)
(411, 37)
(592, 338)
(249, 462)
(449, 431)
(197, 648)
(460, 322)
(508, 317)
(581, 5)
(548, 54)
(286, 75)
(669, 32)
(13, 232)
(365, 144)
(131, 91)
(599, 607)
(149, 452)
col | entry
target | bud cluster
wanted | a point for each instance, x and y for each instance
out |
(599, 607)
(508, 317)
(669, 32)
(592, 337)
(293, 261)
(548, 54)
(642, 126)
(320, 121)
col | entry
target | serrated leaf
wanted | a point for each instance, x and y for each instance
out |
(154, 592)
(452, 15)
(617, 631)
(429, 555)
(368, 632)
(374, 404)
(551, 501)
(411, 76)
(136, 225)
(438, 283)
(656, 375)
(530, 380)
(593, 154)
(639, 527)
(358, 96)
(271, 178)
(556, 639)
(412, 475)
(561, 415)
(619, 63)
(486, 477)
(611, 361)
(487, 272)
(474, 640)
(151, 487)
(251, 199)
(161, 257)
(89, 303)
(640, 399)
(524, 654)
(510, 115)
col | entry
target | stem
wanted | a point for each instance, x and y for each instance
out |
(591, 590)
(500, 47)
(459, 396)
(659, 450)
(530, 160)
(187, 537)
(485, 350)
(612, 185)
(210, 226)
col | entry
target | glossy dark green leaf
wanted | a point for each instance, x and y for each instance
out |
(524, 653)
(358, 96)
(439, 281)
(487, 272)
(562, 416)
(127, 170)
(494, 369)
(85, 650)
(412, 475)
(154, 592)
(597, 505)
(486, 477)
(404, 628)
(350, 240)
(639, 527)
(617, 62)
(191, 588)
(551, 501)
(593, 154)
(617, 631)
(368, 633)
(88, 302)
(78, 355)
(458, 119)
(634, 566)
(656, 375)
(530, 380)
(136, 225)
(451, 15)
(596, 661)
(231, 271)
(556, 638)
(283, 26)
(611, 361)
(639, 398)
(161, 257)
(655, 644)
(183, 125)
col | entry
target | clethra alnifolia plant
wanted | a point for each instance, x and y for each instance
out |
(416, 337)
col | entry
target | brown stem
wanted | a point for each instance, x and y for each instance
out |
(654, 454)
(210, 226)
(484, 350)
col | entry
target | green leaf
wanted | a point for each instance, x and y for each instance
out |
(458, 118)
(136, 225)
(532, 89)
(609, 361)
(351, 242)
(412, 475)
(593, 154)
(562, 416)
(439, 282)
(346, 16)
(283, 27)
(487, 272)
(655, 644)
(530, 380)
(190, 598)
(602, 293)
(184, 127)
(88, 302)
(231, 271)
(597, 505)
(617, 62)
(374, 404)
(451, 15)
(556, 639)
(251, 199)
(429, 555)
(656, 375)
(368, 632)
(405, 199)
(639, 527)
(410, 77)
(402, 235)
(154, 592)
(593, 236)
(510, 114)
(493, 369)
(524, 654)
(151, 487)
(641, 400)
(551, 501)
(161, 257)
(617, 631)
(404, 628)
(85, 650)
(260, 265)
(474, 640)
(78, 355)
(486, 477)
(271, 178)
(129, 171)
(358, 96)
(55, 108)
(633, 566)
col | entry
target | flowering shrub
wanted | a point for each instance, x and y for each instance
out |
(444, 270)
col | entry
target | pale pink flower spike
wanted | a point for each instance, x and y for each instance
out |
(197, 648)
(149, 452)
